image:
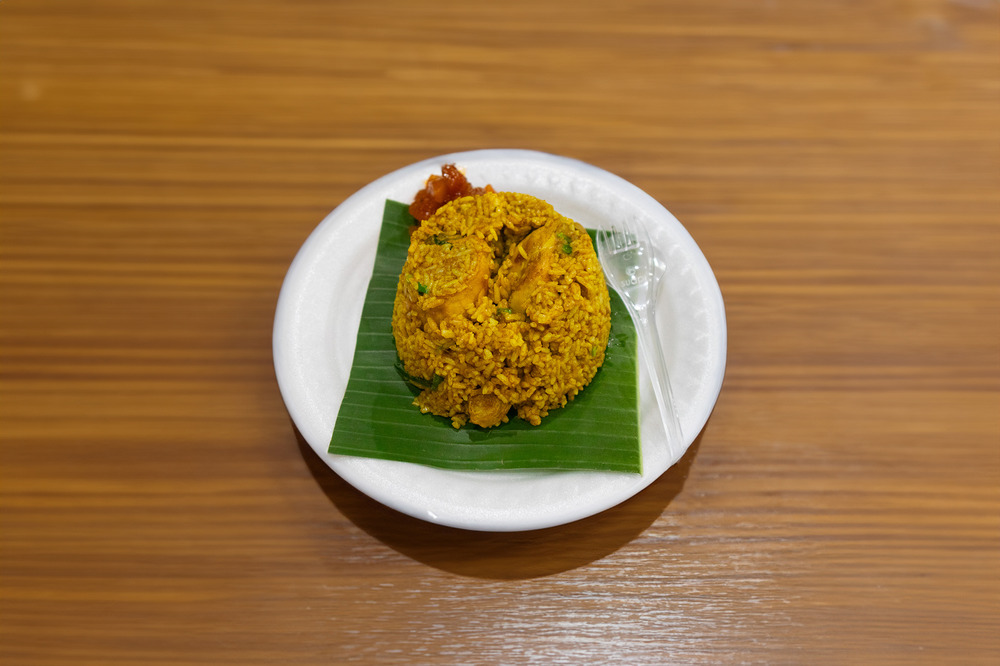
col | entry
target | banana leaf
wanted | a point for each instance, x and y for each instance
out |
(598, 430)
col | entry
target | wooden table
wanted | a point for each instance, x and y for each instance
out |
(837, 162)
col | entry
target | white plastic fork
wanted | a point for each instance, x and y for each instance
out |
(628, 258)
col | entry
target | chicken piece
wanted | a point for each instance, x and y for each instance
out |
(453, 275)
(487, 410)
(529, 265)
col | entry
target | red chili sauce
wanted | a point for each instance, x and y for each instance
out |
(439, 190)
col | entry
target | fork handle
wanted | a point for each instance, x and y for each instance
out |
(652, 351)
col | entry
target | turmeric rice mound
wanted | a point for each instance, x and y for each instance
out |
(501, 306)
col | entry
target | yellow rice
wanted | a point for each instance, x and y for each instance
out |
(501, 305)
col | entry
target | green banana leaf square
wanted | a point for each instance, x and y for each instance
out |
(598, 430)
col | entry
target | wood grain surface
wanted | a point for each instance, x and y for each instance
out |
(837, 161)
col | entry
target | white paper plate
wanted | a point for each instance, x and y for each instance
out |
(319, 310)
